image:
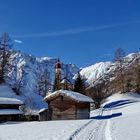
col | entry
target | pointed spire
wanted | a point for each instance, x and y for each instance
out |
(58, 60)
(58, 64)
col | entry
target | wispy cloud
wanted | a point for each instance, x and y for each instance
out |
(18, 41)
(75, 30)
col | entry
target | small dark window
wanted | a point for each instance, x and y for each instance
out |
(61, 98)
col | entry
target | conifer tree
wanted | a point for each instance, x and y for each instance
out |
(79, 84)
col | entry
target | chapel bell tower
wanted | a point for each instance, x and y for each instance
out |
(58, 73)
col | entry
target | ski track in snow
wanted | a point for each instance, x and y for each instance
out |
(108, 135)
(79, 130)
(94, 130)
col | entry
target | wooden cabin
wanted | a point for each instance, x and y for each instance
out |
(68, 105)
(9, 105)
(10, 109)
(43, 114)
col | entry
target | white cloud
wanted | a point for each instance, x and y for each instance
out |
(18, 41)
(76, 30)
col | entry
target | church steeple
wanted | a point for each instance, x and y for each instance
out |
(58, 64)
(57, 74)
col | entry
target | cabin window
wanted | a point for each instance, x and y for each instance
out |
(61, 98)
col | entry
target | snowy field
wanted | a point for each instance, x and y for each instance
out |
(118, 119)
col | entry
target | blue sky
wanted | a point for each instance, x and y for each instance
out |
(82, 32)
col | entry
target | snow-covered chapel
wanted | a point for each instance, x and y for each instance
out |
(61, 83)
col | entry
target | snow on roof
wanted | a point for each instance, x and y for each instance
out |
(10, 111)
(71, 94)
(10, 101)
(7, 96)
(41, 110)
(65, 81)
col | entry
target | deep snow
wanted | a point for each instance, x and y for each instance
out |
(118, 119)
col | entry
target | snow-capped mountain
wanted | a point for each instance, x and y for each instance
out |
(25, 73)
(95, 71)
(107, 76)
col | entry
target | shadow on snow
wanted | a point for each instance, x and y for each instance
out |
(117, 103)
(111, 106)
(100, 117)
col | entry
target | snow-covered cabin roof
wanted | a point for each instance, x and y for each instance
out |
(7, 96)
(78, 97)
(10, 101)
(10, 111)
(65, 81)
(42, 110)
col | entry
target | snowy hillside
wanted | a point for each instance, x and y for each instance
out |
(27, 70)
(107, 70)
(118, 119)
(94, 72)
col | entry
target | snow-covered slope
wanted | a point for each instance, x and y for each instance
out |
(126, 126)
(125, 96)
(120, 114)
(118, 119)
(95, 71)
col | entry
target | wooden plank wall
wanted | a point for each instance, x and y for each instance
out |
(63, 108)
(83, 110)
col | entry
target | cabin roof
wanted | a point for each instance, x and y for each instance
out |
(7, 96)
(10, 111)
(42, 110)
(78, 97)
(65, 81)
(9, 101)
